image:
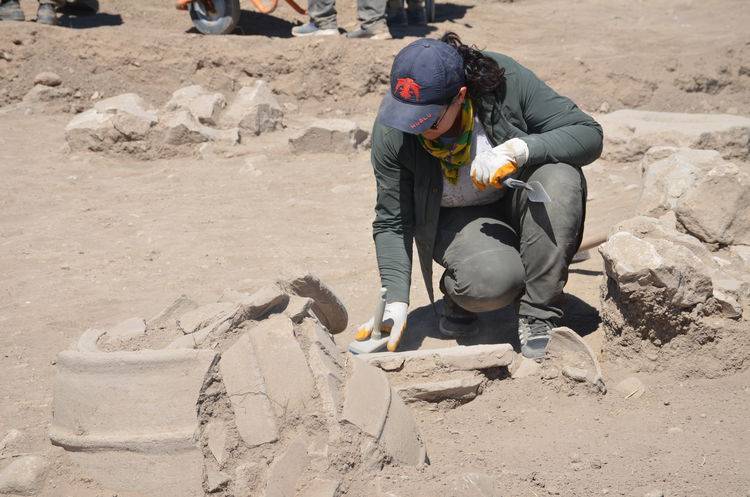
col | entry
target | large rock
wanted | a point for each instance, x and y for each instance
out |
(246, 389)
(110, 413)
(202, 104)
(124, 118)
(667, 296)
(47, 79)
(181, 128)
(329, 136)
(44, 93)
(290, 389)
(23, 476)
(628, 134)
(696, 185)
(254, 110)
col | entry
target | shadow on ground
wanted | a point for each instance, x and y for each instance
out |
(500, 326)
(87, 20)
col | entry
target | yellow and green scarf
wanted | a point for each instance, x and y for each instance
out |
(457, 153)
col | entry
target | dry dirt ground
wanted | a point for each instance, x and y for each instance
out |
(87, 239)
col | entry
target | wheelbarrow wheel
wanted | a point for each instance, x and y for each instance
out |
(429, 10)
(219, 21)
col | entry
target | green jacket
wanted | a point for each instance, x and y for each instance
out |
(410, 183)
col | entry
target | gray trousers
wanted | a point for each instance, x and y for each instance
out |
(370, 13)
(514, 250)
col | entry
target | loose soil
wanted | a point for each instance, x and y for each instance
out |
(87, 240)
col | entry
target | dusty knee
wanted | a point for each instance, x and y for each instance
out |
(485, 282)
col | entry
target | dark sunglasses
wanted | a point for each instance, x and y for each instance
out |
(442, 115)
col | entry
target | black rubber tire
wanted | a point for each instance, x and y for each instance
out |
(222, 23)
(429, 10)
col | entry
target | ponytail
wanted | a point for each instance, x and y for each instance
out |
(483, 74)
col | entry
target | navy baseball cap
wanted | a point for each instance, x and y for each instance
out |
(425, 76)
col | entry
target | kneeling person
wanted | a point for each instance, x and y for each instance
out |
(457, 122)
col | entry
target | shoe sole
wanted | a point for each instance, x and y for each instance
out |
(320, 32)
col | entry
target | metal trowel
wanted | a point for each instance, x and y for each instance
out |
(377, 341)
(535, 192)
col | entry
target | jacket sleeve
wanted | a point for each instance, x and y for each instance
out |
(393, 228)
(558, 130)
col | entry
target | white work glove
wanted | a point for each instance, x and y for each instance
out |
(394, 322)
(492, 166)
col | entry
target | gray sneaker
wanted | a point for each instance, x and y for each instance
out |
(534, 336)
(46, 14)
(379, 33)
(457, 322)
(310, 29)
(10, 10)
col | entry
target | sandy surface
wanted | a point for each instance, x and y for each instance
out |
(88, 240)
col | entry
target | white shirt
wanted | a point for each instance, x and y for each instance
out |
(463, 193)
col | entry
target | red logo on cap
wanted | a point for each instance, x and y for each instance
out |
(408, 88)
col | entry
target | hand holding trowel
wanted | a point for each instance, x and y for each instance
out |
(497, 166)
(389, 318)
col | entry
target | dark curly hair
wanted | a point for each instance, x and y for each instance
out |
(483, 75)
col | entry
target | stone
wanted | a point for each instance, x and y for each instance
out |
(42, 93)
(628, 134)
(290, 389)
(179, 127)
(203, 105)
(123, 118)
(299, 308)
(568, 351)
(667, 269)
(10, 440)
(459, 358)
(367, 398)
(327, 307)
(575, 374)
(169, 315)
(138, 436)
(216, 480)
(47, 79)
(254, 110)
(88, 340)
(630, 388)
(131, 388)
(260, 304)
(329, 136)
(325, 364)
(286, 470)
(207, 315)
(695, 184)
(246, 390)
(523, 367)
(462, 389)
(216, 435)
(322, 487)
(128, 103)
(128, 329)
(400, 436)
(24, 475)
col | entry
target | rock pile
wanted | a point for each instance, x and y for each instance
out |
(127, 124)
(678, 278)
(246, 396)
